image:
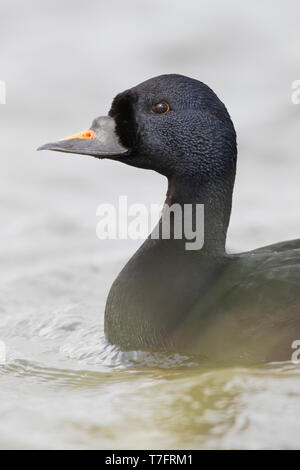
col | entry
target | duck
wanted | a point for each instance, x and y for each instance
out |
(224, 308)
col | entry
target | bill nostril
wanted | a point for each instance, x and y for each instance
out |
(88, 134)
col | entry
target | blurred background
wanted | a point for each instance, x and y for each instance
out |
(63, 62)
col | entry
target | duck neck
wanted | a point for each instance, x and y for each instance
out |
(216, 198)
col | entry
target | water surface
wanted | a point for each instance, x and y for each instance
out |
(62, 385)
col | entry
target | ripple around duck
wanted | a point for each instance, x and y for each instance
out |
(39, 373)
(75, 390)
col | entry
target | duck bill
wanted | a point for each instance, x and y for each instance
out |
(100, 140)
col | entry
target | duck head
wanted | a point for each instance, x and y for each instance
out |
(172, 124)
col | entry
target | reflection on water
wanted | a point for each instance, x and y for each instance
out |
(62, 386)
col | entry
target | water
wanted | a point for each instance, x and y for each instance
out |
(62, 385)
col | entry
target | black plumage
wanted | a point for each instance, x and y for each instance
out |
(242, 308)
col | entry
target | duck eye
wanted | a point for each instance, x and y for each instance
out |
(160, 108)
